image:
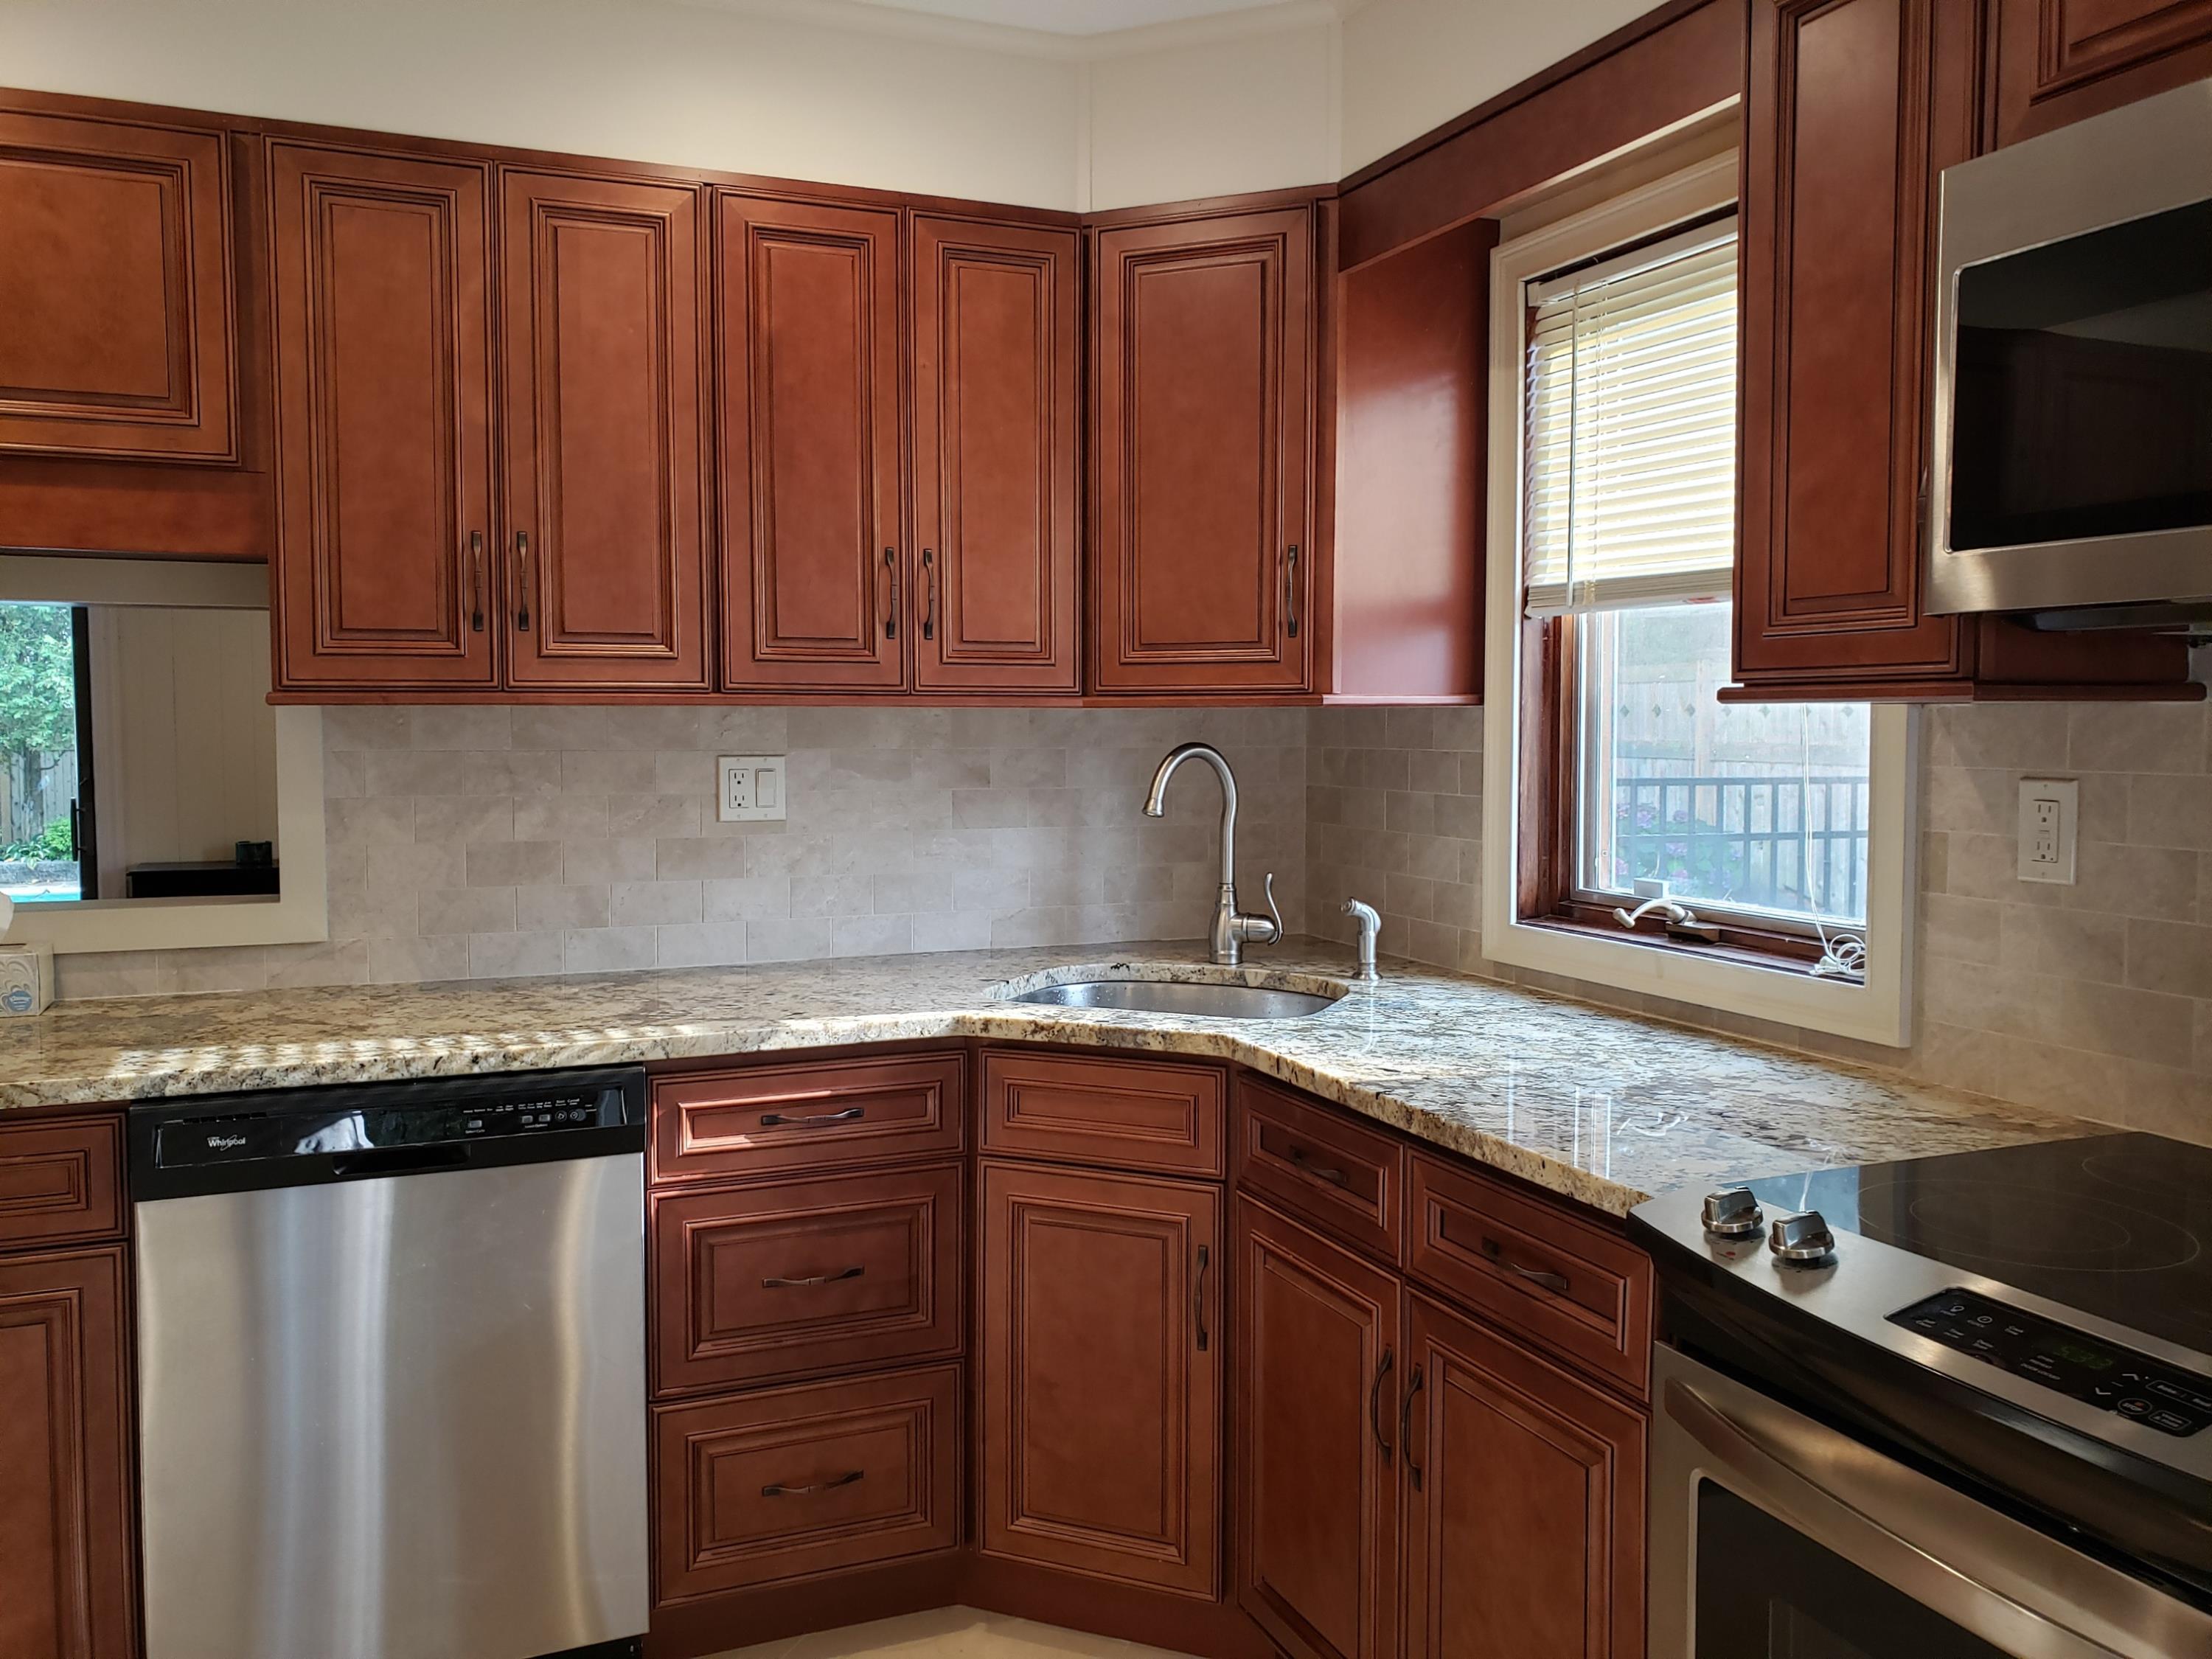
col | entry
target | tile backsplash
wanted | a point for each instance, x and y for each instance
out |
(469, 843)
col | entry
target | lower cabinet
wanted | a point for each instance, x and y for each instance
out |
(66, 1504)
(1101, 1345)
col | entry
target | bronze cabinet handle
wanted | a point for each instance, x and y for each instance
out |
(476, 581)
(1375, 1402)
(778, 1489)
(928, 594)
(1205, 1261)
(1495, 1253)
(891, 616)
(522, 580)
(1291, 590)
(819, 1120)
(1406, 1425)
(1303, 1161)
(813, 1279)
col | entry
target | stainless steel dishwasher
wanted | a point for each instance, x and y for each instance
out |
(391, 1370)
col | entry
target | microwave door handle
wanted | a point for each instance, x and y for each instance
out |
(1988, 1574)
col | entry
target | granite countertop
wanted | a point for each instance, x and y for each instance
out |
(1603, 1107)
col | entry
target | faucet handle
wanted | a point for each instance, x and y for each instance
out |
(1267, 888)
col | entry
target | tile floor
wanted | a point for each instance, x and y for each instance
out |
(952, 1633)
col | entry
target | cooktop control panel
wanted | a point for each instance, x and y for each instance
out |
(2121, 1379)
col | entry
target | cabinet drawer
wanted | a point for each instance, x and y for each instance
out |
(1314, 1163)
(61, 1180)
(1138, 1115)
(795, 1481)
(1555, 1280)
(811, 1113)
(789, 1277)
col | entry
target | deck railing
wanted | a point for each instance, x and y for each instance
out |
(1795, 844)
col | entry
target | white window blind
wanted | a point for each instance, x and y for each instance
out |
(1629, 490)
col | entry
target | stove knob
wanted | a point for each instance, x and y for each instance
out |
(1802, 1241)
(1733, 1213)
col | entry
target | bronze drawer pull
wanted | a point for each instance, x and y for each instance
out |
(777, 1489)
(816, 1279)
(928, 594)
(819, 1120)
(1205, 1261)
(476, 581)
(890, 614)
(1305, 1165)
(522, 580)
(1375, 1402)
(1550, 1281)
(1406, 1425)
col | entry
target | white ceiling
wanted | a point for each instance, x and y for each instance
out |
(1074, 17)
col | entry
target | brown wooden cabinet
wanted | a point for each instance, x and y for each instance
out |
(66, 1503)
(602, 429)
(1101, 1347)
(2059, 60)
(1204, 378)
(995, 318)
(386, 535)
(1852, 110)
(813, 559)
(1524, 1519)
(1316, 1438)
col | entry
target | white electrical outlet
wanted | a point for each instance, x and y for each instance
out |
(2049, 808)
(748, 788)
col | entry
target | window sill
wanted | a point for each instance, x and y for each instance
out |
(1604, 934)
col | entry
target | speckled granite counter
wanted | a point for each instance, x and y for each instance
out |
(1603, 1107)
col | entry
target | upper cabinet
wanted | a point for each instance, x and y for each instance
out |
(813, 557)
(2059, 60)
(1204, 348)
(116, 285)
(1852, 110)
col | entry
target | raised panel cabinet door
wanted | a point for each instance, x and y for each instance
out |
(603, 384)
(1316, 1413)
(813, 565)
(995, 310)
(66, 1522)
(1524, 1502)
(383, 325)
(1839, 165)
(118, 332)
(1204, 433)
(2059, 60)
(1101, 1395)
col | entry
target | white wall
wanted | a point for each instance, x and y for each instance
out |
(1410, 65)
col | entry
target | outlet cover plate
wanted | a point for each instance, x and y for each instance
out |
(748, 788)
(2050, 808)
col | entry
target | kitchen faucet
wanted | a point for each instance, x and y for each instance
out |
(1232, 927)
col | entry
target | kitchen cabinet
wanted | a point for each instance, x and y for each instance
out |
(1204, 354)
(606, 528)
(1524, 1519)
(383, 297)
(813, 557)
(1161, 1117)
(1100, 1401)
(67, 1505)
(1852, 109)
(1317, 1350)
(995, 310)
(2059, 60)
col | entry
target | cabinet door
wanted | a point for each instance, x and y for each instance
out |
(2059, 60)
(1318, 1394)
(1838, 167)
(812, 565)
(115, 283)
(1524, 1516)
(1203, 442)
(1102, 1374)
(995, 439)
(606, 531)
(382, 302)
(65, 1507)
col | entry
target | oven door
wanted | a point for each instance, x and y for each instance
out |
(1775, 1537)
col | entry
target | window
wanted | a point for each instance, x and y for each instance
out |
(1662, 837)
(46, 755)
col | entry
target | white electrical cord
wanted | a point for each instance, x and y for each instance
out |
(1843, 956)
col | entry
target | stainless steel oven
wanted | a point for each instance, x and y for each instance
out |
(2071, 472)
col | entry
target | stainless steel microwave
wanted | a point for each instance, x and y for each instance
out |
(2071, 472)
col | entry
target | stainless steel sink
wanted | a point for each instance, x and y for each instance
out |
(1204, 1000)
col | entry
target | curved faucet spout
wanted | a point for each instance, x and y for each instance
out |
(1156, 802)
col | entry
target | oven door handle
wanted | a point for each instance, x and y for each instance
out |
(1992, 1575)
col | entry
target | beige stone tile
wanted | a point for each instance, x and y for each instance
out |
(2170, 956)
(598, 863)
(2130, 881)
(333, 962)
(2119, 737)
(607, 950)
(911, 892)
(746, 897)
(560, 817)
(870, 936)
(411, 961)
(831, 895)
(513, 955)
(788, 938)
(460, 726)
(514, 863)
(608, 772)
(704, 944)
(2067, 943)
(952, 930)
(719, 858)
(654, 903)
(656, 818)
(1961, 929)
(445, 910)
(465, 818)
(540, 907)
(2022, 737)
(2169, 811)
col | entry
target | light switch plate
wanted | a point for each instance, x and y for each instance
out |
(748, 788)
(2049, 809)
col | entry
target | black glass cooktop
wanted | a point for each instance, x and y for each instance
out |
(2119, 1226)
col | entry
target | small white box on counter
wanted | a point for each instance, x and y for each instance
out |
(26, 978)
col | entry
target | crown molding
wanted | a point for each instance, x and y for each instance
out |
(859, 17)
